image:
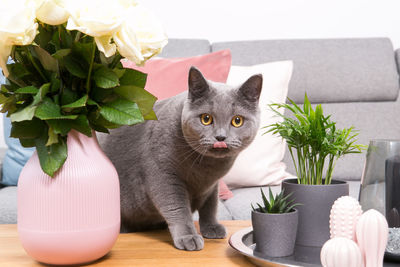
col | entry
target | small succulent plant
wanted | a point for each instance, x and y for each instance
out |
(276, 204)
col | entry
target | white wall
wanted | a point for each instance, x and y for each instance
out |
(229, 20)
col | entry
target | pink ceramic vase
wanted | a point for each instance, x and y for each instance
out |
(74, 217)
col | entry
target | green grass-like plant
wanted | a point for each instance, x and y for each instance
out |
(314, 139)
(276, 204)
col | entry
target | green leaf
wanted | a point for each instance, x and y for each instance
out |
(28, 112)
(105, 77)
(81, 102)
(9, 105)
(3, 98)
(74, 67)
(27, 142)
(27, 129)
(48, 62)
(60, 126)
(51, 157)
(81, 124)
(48, 110)
(99, 128)
(53, 137)
(59, 54)
(92, 102)
(68, 96)
(18, 70)
(133, 77)
(119, 72)
(100, 94)
(43, 90)
(24, 115)
(27, 90)
(150, 116)
(84, 50)
(122, 112)
(144, 99)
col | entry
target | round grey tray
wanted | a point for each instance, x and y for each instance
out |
(242, 241)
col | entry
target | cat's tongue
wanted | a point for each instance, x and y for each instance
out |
(220, 145)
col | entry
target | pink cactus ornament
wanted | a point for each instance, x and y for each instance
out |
(343, 219)
(372, 235)
(341, 252)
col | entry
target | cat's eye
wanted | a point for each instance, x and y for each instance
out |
(237, 121)
(206, 119)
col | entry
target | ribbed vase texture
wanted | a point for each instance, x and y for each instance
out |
(73, 217)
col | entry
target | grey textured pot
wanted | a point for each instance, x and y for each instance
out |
(275, 234)
(316, 200)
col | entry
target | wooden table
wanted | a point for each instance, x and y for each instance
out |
(153, 248)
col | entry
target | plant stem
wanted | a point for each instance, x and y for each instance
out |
(294, 163)
(35, 65)
(116, 60)
(90, 67)
(77, 36)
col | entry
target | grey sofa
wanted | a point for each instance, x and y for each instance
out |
(357, 81)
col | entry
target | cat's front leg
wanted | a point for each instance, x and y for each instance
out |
(170, 197)
(209, 226)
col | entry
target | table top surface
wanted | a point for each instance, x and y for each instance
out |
(154, 248)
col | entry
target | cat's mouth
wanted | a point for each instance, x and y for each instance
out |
(219, 145)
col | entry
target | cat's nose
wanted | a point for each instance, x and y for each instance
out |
(220, 138)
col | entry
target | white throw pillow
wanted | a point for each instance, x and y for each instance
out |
(261, 162)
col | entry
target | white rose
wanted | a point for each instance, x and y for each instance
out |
(17, 27)
(141, 36)
(52, 12)
(97, 18)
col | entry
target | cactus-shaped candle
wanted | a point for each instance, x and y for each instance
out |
(341, 252)
(343, 219)
(372, 235)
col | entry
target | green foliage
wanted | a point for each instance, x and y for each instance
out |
(276, 204)
(63, 82)
(314, 139)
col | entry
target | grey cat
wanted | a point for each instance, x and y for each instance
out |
(170, 168)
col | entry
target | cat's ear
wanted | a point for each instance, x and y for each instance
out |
(251, 89)
(198, 86)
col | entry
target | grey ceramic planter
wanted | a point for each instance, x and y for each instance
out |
(316, 200)
(275, 234)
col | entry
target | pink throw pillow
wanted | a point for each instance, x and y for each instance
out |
(168, 77)
(223, 191)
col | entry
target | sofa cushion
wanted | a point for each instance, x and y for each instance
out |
(186, 48)
(8, 205)
(330, 70)
(168, 77)
(15, 156)
(261, 162)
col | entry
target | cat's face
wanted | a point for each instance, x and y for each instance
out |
(220, 120)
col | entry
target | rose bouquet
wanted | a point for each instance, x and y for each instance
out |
(66, 73)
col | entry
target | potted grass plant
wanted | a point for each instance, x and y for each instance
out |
(65, 82)
(275, 224)
(315, 144)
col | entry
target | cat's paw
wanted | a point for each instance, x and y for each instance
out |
(213, 231)
(189, 242)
